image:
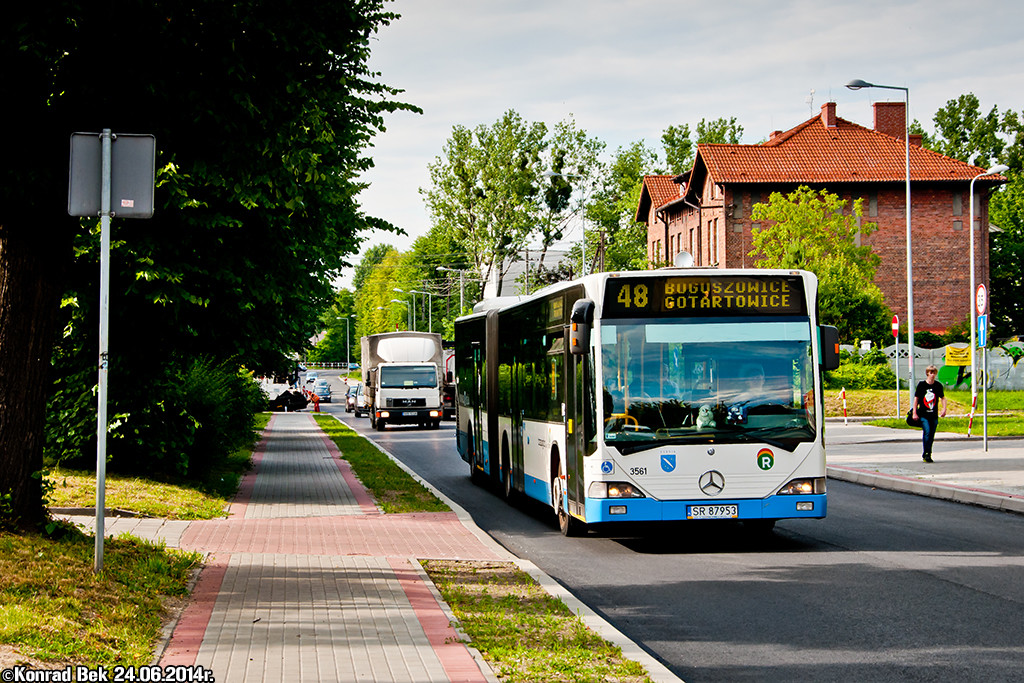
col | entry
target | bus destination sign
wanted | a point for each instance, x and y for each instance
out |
(689, 297)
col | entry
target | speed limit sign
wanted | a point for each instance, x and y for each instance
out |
(981, 299)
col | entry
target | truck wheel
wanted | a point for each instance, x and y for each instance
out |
(380, 425)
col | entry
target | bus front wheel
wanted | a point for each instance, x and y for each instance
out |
(567, 524)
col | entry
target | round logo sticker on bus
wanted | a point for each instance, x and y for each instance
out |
(765, 459)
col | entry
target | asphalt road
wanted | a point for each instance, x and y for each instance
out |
(888, 587)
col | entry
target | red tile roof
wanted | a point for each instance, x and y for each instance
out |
(813, 153)
(657, 190)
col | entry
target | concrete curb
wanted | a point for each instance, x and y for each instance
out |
(959, 494)
(657, 671)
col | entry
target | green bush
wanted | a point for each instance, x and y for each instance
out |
(868, 371)
(194, 414)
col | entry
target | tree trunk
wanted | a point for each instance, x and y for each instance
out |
(30, 269)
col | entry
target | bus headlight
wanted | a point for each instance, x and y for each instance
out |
(614, 489)
(804, 487)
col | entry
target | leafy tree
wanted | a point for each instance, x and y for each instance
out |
(573, 159)
(1006, 256)
(809, 229)
(612, 212)
(963, 132)
(262, 112)
(679, 148)
(333, 347)
(437, 248)
(373, 256)
(719, 131)
(483, 190)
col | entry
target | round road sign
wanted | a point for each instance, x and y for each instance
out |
(981, 299)
(895, 326)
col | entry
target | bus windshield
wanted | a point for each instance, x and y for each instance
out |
(707, 381)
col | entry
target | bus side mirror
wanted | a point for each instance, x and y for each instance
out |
(580, 321)
(829, 347)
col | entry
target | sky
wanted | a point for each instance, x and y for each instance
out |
(625, 70)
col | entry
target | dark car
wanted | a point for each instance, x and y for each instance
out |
(350, 396)
(323, 390)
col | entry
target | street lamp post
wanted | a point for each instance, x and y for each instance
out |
(857, 84)
(999, 168)
(412, 309)
(407, 308)
(462, 306)
(348, 346)
(430, 308)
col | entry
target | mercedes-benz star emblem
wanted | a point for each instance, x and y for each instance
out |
(712, 482)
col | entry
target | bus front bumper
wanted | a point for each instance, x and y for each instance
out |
(601, 510)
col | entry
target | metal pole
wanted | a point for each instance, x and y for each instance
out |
(347, 359)
(857, 84)
(984, 393)
(101, 404)
(910, 257)
(970, 310)
(899, 412)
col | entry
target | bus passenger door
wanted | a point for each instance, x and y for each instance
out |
(575, 433)
(516, 455)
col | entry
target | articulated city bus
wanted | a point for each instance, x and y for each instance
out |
(676, 394)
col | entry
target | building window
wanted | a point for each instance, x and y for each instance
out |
(872, 205)
(958, 204)
(714, 245)
(958, 225)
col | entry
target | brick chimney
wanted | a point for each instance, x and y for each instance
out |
(890, 118)
(828, 114)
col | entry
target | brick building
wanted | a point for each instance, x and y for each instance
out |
(706, 211)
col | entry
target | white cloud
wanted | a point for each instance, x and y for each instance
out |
(627, 69)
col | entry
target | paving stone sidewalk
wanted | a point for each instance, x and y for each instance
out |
(306, 579)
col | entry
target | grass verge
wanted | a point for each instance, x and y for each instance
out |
(881, 404)
(55, 609)
(524, 633)
(170, 498)
(394, 490)
(998, 425)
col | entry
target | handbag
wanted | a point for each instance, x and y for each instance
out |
(911, 421)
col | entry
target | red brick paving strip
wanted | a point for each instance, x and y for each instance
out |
(397, 537)
(435, 535)
(248, 482)
(362, 496)
(458, 663)
(191, 627)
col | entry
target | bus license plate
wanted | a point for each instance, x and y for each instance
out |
(712, 511)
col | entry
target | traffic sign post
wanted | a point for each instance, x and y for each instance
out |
(109, 175)
(896, 336)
